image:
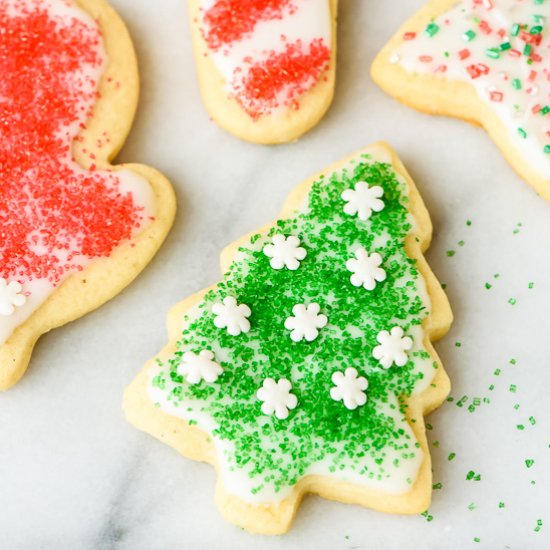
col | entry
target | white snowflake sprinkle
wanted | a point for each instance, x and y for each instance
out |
(350, 388)
(393, 347)
(11, 296)
(366, 269)
(285, 252)
(363, 200)
(277, 398)
(196, 367)
(232, 316)
(305, 322)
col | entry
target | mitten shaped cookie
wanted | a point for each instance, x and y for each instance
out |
(310, 366)
(74, 230)
(266, 67)
(486, 61)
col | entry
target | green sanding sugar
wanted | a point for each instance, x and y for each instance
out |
(276, 453)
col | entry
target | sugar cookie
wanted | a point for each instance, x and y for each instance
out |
(309, 367)
(266, 67)
(75, 230)
(486, 61)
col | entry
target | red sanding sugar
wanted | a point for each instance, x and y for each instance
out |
(228, 21)
(51, 211)
(282, 77)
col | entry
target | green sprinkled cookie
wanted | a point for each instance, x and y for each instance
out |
(309, 367)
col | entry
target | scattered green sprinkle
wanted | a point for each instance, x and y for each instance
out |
(461, 401)
(451, 456)
(472, 476)
(427, 515)
(529, 462)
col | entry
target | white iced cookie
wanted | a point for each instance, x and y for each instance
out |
(266, 69)
(484, 61)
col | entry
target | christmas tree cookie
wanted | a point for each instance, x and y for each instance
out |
(485, 61)
(266, 67)
(74, 229)
(309, 367)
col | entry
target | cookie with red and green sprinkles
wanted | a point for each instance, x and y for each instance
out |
(309, 366)
(266, 67)
(74, 230)
(486, 61)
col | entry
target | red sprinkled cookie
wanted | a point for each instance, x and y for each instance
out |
(266, 67)
(74, 229)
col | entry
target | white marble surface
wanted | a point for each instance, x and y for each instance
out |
(75, 475)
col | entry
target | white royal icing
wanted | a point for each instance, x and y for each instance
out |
(363, 200)
(305, 322)
(515, 89)
(232, 316)
(350, 388)
(277, 398)
(393, 348)
(366, 269)
(285, 252)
